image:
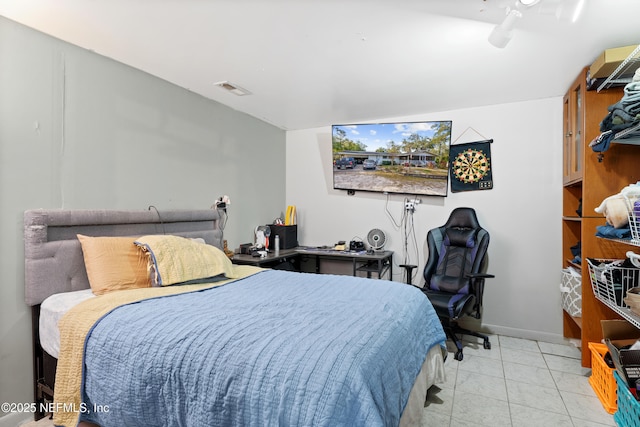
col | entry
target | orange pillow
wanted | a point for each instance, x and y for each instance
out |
(114, 264)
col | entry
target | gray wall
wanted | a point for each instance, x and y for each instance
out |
(78, 130)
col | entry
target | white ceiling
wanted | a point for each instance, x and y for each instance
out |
(312, 63)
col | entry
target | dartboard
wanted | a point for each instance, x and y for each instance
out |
(470, 166)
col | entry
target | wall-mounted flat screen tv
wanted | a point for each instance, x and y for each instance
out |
(406, 158)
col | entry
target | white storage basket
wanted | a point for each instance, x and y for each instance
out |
(571, 291)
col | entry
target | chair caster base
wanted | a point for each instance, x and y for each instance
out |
(487, 344)
(458, 356)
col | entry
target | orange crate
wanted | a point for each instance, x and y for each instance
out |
(602, 380)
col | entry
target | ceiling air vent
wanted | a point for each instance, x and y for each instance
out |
(234, 89)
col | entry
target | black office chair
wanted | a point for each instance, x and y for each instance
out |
(455, 271)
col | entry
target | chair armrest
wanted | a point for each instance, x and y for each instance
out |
(479, 276)
(409, 270)
(477, 288)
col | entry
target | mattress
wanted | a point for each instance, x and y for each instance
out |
(51, 311)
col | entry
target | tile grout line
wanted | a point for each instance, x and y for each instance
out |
(506, 387)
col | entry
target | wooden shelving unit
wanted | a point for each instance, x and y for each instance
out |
(587, 180)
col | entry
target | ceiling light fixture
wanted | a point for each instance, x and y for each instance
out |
(502, 33)
(233, 88)
(564, 10)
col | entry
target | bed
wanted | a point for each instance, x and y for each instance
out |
(205, 342)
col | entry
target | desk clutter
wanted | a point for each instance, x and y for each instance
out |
(319, 259)
(271, 238)
(282, 233)
(276, 246)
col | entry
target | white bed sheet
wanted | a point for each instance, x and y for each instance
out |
(51, 311)
(432, 372)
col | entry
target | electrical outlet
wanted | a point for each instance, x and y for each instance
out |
(410, 205)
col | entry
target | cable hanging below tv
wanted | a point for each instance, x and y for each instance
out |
(402, 158)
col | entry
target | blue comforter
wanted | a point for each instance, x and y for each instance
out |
(274, 349)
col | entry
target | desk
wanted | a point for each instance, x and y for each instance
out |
(378, 262)
(270, 260)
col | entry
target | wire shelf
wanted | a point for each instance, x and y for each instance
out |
(624, 73)
(626, 313)
(610, 283)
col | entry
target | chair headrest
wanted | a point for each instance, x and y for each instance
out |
(463, 218)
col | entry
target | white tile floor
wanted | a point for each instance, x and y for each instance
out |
(517, 383)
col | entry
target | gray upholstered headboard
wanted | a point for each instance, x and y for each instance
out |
(53, 256)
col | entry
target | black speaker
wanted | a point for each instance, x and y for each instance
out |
(356, 245)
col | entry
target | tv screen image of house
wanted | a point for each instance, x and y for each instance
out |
(406, 158)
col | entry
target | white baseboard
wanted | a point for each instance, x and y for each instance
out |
(527, 334)
(14, 419)
(473, 324)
